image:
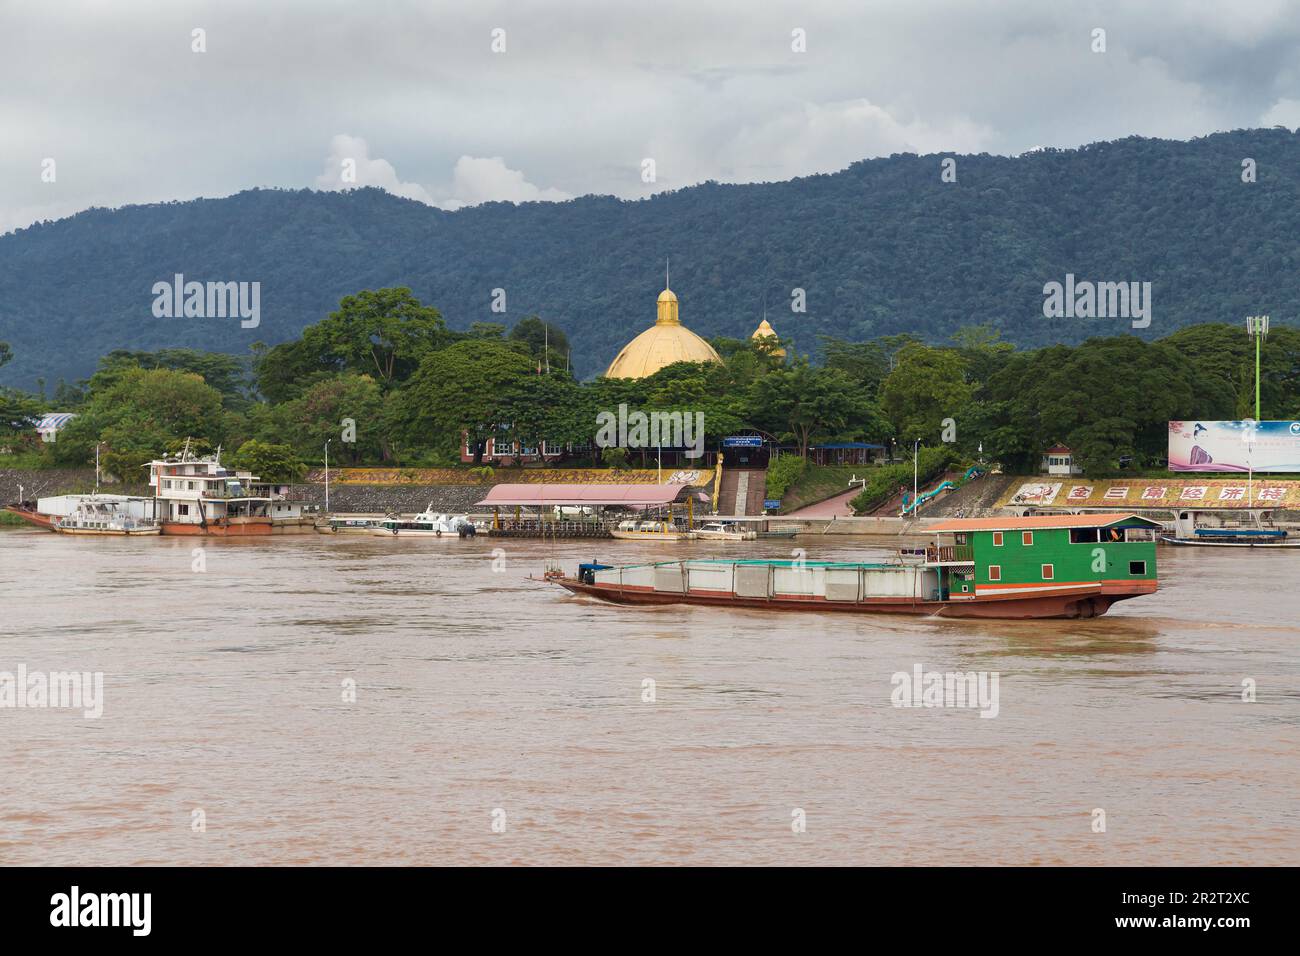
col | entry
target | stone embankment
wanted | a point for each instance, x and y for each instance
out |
(47, 482)
(397, 499)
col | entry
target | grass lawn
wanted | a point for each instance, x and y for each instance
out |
(819, 482)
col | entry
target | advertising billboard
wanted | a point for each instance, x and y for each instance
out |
(1234, 446)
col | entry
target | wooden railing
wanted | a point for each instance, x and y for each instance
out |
(950, 552)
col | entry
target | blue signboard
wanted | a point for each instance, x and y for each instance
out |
(771, 503)
(743, 441)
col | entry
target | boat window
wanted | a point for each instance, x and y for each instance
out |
(1137, 567)
(995, 572)
(1083, 535)
(1049, 572)
(1139, 534)
(997, 539)
(960, 537)
(1027, 538)
(1112, 534)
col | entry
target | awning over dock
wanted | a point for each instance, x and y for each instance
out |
(627, 496)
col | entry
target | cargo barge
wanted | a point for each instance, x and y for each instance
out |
(1061, 566)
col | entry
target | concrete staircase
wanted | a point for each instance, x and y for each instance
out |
(743, 490)
(742, 493)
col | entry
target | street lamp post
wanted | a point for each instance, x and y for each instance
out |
(327, 474)
(916, 459)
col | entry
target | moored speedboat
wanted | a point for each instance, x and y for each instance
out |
(1060, 566)
(721, 531)
(427, 524)
(337, 525)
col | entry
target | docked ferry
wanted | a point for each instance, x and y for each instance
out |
(98, 515)
(196, 494)
(634, 530)
(1058, 566)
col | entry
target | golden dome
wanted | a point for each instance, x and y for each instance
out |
(765, 331)
(665, 342)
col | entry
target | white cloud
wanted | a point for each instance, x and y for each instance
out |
(488, 179)
(822, 138)
(349, 166)
(474, 179)
(1285, 112)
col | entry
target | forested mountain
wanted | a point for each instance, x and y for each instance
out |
(884, 246)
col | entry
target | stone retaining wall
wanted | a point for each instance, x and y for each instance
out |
(399, 499)
(47, 482)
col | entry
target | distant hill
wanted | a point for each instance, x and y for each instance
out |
(881, 247)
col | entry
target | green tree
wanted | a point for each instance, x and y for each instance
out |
(463, 386)
(319, 415)
(138, 416)
(228, 374)
(804, 403)
(539, 336)
(276, 463)
(544, 408)
(1107, 398)
(926, 386)
(379, 332)
(866, 363)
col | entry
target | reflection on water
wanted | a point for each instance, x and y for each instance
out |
(475, 691)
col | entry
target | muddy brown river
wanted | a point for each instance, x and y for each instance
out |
(352, 699)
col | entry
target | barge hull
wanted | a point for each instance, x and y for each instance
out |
(1076, 604)
(238, 527)
(31, 516)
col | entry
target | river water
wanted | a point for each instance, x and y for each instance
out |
(501, 720)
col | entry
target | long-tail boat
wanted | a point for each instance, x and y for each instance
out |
(1058, 566)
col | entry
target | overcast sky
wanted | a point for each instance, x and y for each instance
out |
(584, 91)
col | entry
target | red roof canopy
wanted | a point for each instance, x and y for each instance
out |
(1037, 522)
(629, 495)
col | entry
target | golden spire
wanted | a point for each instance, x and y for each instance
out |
(765, 331)
(667, 309)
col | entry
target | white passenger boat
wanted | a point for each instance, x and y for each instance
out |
(721, 531)
(427, 524)
(94, 515)
(649, 531)
(335, 525)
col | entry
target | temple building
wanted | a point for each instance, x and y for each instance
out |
(665, 342)
(765, 331)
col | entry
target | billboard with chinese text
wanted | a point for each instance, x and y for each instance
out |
(1113, 494)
